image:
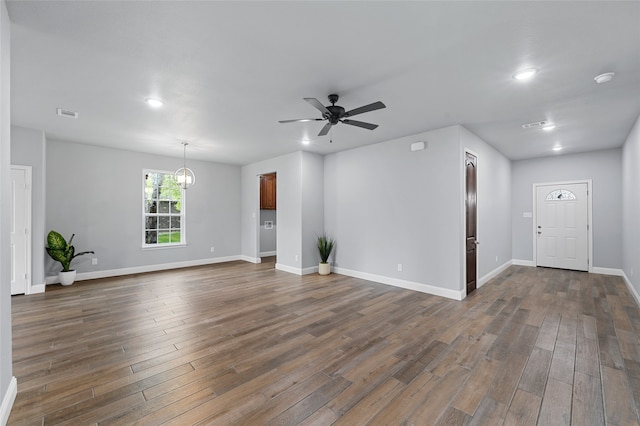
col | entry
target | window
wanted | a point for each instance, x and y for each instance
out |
(163, 210)
(560, 194)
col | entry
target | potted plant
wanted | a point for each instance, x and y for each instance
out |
(62, 251)
(325, 247)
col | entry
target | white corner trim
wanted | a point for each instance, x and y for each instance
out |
(484, 279)
(631, 288)
(147, 268)
(410, 285)
(250, 259)
(289, 269)
(521, 262)
(7, 401)
(268, 253)
(607, 271)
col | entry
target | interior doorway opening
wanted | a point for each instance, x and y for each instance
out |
(268, 220)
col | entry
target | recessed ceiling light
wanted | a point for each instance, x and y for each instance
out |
(306, 142)
(525, 74)
(603, 78)
(154, 102)
(549, 126)
(557, 148)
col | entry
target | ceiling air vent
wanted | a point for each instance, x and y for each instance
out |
(533, 125)
(66, 113)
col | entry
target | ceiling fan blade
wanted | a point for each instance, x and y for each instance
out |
(325, 129)
(371, 107)
(360, 124)
(316, 103)
(301, 120)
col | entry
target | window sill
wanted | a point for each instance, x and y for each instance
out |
(163, 246)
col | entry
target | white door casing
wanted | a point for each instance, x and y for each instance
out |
(561, 228)
(20, 229)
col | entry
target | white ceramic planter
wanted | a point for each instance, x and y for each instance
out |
(324, 268)
(67, 278)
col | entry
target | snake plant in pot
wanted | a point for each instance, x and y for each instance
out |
(62, 251)
(325, 247)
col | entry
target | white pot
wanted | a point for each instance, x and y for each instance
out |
(324, 268)
(67, 278)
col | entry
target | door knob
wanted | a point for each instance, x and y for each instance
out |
(477, 242)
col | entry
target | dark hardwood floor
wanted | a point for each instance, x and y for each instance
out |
(238, 343)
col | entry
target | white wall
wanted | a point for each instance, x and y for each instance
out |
(604, 168)
(7, 382)
(494, 206)
(96, 193)
(631, 207)
(386, 205)
(28, 149)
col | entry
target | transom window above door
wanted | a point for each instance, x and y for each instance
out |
(560, 195)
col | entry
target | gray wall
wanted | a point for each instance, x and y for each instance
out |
(96, 193)
(631, 206)
(28, 149)
(288, 213)
(386, 205)
(5, 200)
(604, 168)
(312, 179)
(494, 204)
(268, 236)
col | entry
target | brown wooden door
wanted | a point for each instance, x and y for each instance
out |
(470, 207)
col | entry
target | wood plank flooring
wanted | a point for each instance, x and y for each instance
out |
(238, 343)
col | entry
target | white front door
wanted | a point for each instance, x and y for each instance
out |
(561, 226)
(20, 226)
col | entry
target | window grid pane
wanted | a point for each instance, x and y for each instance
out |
(162, 209)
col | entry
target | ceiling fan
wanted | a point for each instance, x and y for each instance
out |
(335, 114)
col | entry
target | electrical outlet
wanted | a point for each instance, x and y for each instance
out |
(94, 261)
(632, 271)
(399, 267)
(213, 249)
(296, 257)
(496, 259)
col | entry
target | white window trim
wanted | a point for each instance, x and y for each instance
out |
(183, 216)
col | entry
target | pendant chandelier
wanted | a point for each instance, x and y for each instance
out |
(185, 176)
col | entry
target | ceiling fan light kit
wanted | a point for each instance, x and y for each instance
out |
(335, 114)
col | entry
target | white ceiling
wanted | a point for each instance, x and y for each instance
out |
(228, 71)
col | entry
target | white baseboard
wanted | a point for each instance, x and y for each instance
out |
(485, 278)
(631, 288)
(147, 268)
(7, 401)
(37, 288)
(310, 270)
(268, 253)
(522, 262)
(250, 259)
(289, 269)
(607, 271)
(410, 285)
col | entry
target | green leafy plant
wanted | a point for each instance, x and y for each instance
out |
(62, 251)
(325, 247)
